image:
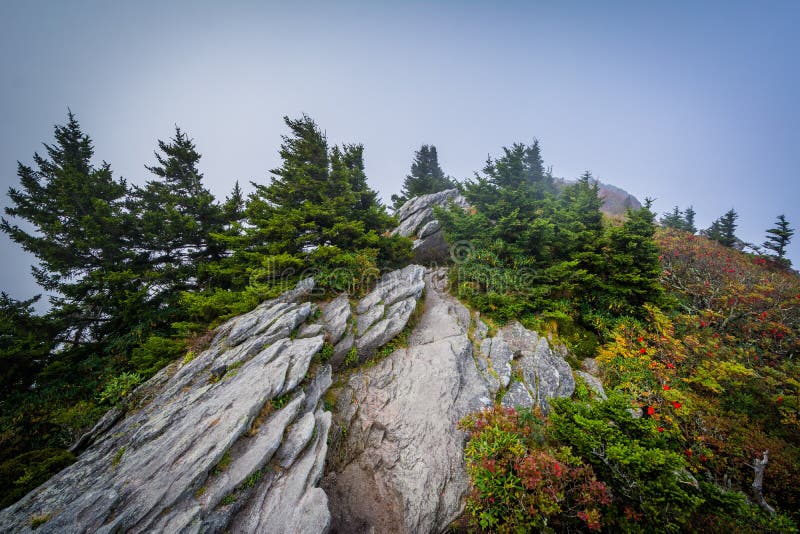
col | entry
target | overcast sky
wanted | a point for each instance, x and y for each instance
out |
(684, 103)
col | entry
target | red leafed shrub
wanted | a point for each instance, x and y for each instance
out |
(521, 484)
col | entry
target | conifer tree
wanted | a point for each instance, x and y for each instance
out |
(290, 214)
(178, 215)
(680, 220)
(25, 344)
(318, 205)
(363, 204)
(426, 177)
(723, 230)
(233, 207)
(79, 235)
(688, 218)
(580, 221)
(230, 271)
(632, 265)
(674, 219)
(778, 238)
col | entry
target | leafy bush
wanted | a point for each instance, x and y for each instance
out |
(155, 353)
(520, 484)
(118, 389)
(76, 419)
(652, 485)
(338, 271)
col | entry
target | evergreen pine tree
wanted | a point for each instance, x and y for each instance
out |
(233, 207)
(178, 216)
(778, 238)
(318, 207)
(79, 233)
(632, 265)
(25, 344)
(688, 217)
(363, 205)
(426, 177)
(230, 271)
(673, 219)
(680, 220)
(723, 230)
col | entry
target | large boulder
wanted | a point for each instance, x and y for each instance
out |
(545, 373)
(417, 221)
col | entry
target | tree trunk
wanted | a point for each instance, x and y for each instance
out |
(759, 466)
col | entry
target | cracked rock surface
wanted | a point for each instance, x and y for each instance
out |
(206, 448)
(238, 439)
(417, 222)
(398, 464)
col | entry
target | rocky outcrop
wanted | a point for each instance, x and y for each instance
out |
(234, 439)
(358, 333)
(238, 439)
(397, 458)
(523, 368)
(396, 462)
(543, 372)
(417, 222)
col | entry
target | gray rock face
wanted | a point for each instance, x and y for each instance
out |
(385, 311)
(237, 438)
(499, 354)
(397, 463)
(335, 317)
(517, 396)
(396, 318)
(196, 454)
(546, 374)
(541, 370)
(417, 222)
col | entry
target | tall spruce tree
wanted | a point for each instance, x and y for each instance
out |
(293, 213)
(632, 272)
(680, 220)
(778, 238)
(233, 207)
(426, 177)
(318, 207)
(688, 219)
(25, 344)
(178, 217)
(79, 237)
(674, 219)
(723, 230)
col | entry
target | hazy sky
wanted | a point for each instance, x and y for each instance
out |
(685, 103)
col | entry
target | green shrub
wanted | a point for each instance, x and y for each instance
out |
(117, 457)
(118, 389)
(76, 419)
(155, 353)
(351, 359)
(39, 520)
(229, 499)
(337, 271)
(648, 479)
(326, 352)
(223, 463)
(519, 484)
